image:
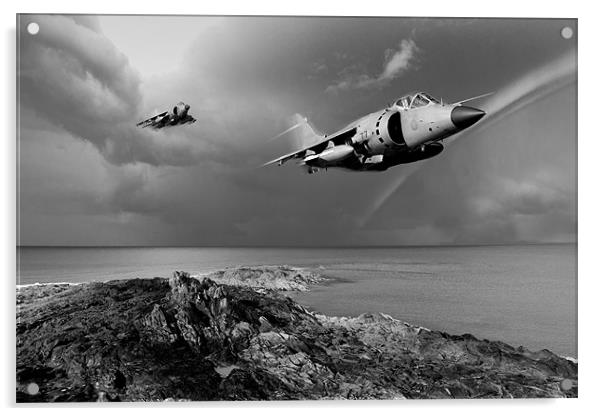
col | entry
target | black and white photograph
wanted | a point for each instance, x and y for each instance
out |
(295, 208)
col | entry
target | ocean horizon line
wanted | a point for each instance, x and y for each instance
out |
(525, 243)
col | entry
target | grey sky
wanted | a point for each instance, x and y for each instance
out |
(89, 176)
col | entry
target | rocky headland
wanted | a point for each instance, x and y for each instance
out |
(284, 278)
(243, 339)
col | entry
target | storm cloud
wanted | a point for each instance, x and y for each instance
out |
(73, 76)
(87, 175)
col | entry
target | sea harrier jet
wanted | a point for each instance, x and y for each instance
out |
(179, 115)
(408, 130)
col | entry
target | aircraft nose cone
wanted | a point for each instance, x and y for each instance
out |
(463, 116)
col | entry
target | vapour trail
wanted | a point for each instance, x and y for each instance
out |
(531, 87)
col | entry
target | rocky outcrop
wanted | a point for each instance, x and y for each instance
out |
(189, 339)
(268, 277)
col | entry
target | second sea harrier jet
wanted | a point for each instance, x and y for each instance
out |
(408, 130)
(177, 116)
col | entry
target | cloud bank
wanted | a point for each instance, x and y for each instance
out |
(396, 63)
(88, 176)
(74, 77)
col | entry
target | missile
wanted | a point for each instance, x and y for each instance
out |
(330, 155)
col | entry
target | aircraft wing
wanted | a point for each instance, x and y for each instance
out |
(153, 121)
(337, 138)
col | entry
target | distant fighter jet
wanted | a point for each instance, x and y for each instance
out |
(406, 131)
(179, 115)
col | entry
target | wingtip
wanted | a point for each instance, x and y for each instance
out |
(271, 162)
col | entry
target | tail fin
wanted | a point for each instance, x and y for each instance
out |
(301, 132)
(305, 135)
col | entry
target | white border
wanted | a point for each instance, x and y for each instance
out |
(590, 152)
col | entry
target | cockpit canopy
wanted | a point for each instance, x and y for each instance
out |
(415, 100)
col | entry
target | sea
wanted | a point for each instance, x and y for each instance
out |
(524, 295)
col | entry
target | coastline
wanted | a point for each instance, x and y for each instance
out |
(530, 291)
(236, 335)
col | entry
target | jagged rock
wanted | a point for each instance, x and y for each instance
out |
(189, 339)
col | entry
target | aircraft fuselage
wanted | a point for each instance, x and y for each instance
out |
(409, 130)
